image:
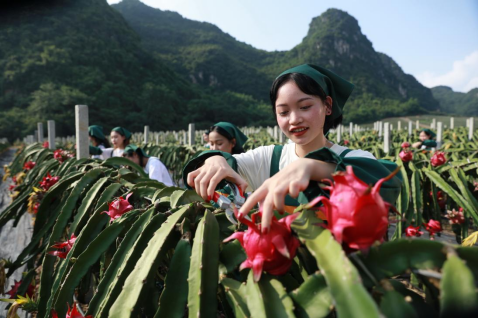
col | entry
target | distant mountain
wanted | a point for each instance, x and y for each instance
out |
(58, 53)
(205, 55)
(451, 102)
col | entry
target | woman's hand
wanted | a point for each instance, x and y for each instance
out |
(205, 179)
(417, 144)
(291, 180)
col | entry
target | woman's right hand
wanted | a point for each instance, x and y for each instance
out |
(205, 179)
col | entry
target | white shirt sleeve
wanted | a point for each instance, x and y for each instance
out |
(254, 165)
(102, 147)
(107, 153)
(360, 153)
(157, 171)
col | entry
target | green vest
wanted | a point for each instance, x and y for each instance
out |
(388, 191)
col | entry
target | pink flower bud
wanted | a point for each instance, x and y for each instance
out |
(406, 156)
(438, 159)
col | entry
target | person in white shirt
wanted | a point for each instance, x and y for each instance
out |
(120, 138)
(152, 165)
(307, 101)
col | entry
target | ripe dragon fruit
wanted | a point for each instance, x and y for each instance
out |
(118, 207)
(356, 213)
(438, 159)
(272, 252)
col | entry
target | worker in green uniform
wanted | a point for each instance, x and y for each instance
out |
(226, 137)
(307, 101)
(427, 140)
(98, 140)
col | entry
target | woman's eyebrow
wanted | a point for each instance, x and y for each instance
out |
(298, 101)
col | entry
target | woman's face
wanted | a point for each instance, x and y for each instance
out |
(220, 143)
(300, 116)
(423, 136)
(117, 140)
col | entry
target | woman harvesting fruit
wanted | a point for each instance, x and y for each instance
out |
(307, 101)
(226, 137)
(427, 140)
(98, 140)
(151, 165)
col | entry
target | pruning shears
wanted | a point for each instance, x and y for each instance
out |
(230, 205)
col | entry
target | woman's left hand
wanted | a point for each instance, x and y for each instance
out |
(417, 144)
(291, 180)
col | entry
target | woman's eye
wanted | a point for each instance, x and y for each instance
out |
(306, 107)
(283, 113)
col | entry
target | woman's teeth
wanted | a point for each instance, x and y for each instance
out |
(299, 130)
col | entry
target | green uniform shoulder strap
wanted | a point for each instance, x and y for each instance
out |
(275, 160)
(348, 150)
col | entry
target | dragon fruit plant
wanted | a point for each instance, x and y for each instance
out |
(120, 245)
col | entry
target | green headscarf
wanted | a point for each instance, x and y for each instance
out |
(96, 131)
(131, 148)
(332, 84)
(236, 133)
(429, 133)
(123, 131)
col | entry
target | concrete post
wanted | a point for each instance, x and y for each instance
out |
(409, 128)
(51, 135)
(276, 132)
(470, 128)
(399, 125)
(439, 134)
(35, 136)
(351, 129)
(380, 127)
(339, 133)
(81, 125)
(433, 124)
(417, 125)
(40, 132)
(452, 123)
(192, 134)
(146, 134)
(386, 137)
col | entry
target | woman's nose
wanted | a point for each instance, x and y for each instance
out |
(294, 118)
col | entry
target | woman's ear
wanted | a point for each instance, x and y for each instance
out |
(233, 141)
(328, 105)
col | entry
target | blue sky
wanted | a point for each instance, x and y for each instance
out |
(435, 41)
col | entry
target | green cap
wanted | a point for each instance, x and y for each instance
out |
(97, 131)
(236, 133)
(429, 132)
(122, 131)
(332, 84)
(131, 148)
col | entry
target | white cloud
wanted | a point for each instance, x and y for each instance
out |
(462, 78)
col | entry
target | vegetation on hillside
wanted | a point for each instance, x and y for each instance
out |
(206, 56)
(56, 54)
(457, 102)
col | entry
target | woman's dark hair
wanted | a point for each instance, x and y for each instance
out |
(430, 137)
(237, 149)
(130, 154)
(105, 142)
(307, 85)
